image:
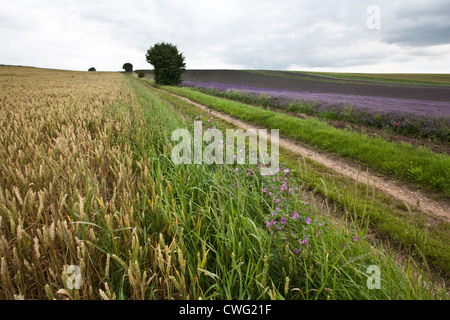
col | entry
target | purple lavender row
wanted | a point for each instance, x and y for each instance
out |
(409, 116)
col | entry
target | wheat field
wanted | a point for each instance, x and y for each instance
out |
(63, 171)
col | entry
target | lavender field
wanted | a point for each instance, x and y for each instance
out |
(422, 117)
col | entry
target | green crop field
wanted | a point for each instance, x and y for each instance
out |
(407, 78)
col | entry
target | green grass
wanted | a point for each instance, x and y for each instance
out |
(400, 160)
(221, 248)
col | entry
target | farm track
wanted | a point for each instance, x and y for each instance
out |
(435, 209)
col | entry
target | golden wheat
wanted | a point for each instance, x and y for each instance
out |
(66, 183)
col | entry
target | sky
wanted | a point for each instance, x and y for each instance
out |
(384, 36)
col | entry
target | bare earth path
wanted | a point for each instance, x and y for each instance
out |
(439, 210)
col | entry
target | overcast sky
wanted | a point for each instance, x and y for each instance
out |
(325, 35)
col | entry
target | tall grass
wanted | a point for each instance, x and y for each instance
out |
(87, 180)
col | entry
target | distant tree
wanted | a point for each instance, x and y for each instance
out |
(168, 63)
(128, 67)
(92, 69)
(141, 74)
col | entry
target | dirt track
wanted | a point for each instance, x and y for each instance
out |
(439, 210)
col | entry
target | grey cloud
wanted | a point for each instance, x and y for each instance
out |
(418, 24)
(259, 34)
(308, 36)
(426, 34)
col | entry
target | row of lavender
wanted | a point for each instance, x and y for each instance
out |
(406, 116)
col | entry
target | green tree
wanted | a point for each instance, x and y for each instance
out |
(128, 67)
(92, 69)
(168, 63)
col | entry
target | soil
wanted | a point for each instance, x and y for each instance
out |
(412, 197)
(311, 83)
